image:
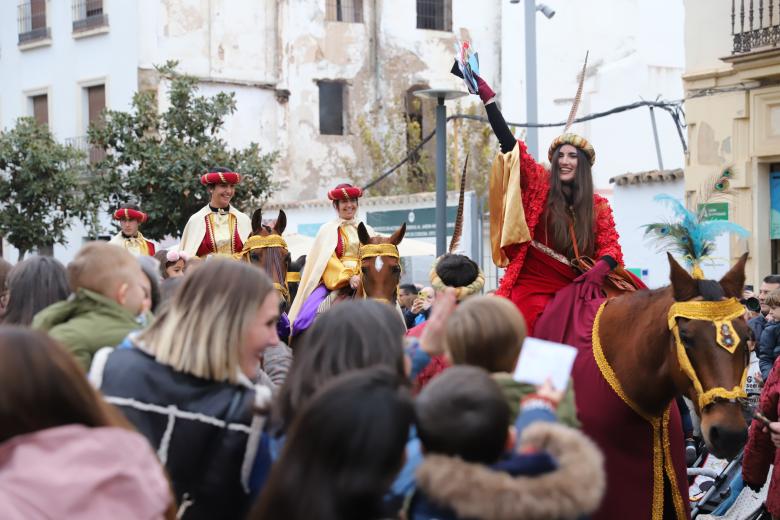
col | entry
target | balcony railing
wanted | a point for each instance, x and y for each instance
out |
(755, 25)
(88, 14)
(31, 18)
(94, 154)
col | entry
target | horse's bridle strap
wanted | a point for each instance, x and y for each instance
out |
(293, 277)
(374, 250)
(720, 314)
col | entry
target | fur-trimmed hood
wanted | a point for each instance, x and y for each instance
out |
(475, 491)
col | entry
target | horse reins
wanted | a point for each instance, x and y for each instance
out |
(373, 251)
(720, 314)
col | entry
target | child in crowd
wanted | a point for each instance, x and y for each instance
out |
(488, 332)
(342, 450)
(769, 342)
(172, 263)
(464, 423)
(108, 288)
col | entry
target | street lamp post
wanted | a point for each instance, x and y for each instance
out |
(441, 95)
(531, 101)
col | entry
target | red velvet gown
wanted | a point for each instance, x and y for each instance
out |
(533, 277)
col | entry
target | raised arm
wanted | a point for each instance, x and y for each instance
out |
(496, 119)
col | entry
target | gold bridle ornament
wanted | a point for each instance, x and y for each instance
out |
(720, 314)
(264, 242)
(372, 251)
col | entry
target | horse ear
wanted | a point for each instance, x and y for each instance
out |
(281, 222)
(684, 285)
(363, 234)
(734, 281)
(257, 220)
(398, 235)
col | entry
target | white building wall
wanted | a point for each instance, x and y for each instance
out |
(636, 51)
(62, 69)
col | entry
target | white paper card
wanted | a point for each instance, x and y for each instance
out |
(541, 360)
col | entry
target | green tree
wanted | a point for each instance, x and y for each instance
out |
(156, 158)
(388, 137)
(40, 188)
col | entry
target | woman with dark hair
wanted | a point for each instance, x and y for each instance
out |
(542, 221)
(353, 335)
(368, 333)
(56, 431)
(33, 285)
(332, 270)
(343, 450)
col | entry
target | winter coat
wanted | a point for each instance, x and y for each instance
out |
(759, 450)
(79, 472)
(86, 322)
(205, 432)
(768, 348)
(757, 325)
(515, 392)
(522, 488)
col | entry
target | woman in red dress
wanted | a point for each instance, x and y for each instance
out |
(541, 220)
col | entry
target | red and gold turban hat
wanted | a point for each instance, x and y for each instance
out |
(345, 192)
(576, 141)
(130, 214)
(220, 178)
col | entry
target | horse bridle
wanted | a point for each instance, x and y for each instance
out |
(720, 314)
(373, 251)
(263, 242)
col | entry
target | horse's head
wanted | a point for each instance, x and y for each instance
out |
(266, 249)
(380, 264)
(710, 337)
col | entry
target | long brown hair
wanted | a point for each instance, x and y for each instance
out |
(577, 195)
(42, 386)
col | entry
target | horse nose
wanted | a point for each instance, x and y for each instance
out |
(727, 442)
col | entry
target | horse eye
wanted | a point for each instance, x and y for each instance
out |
(396, 269)
(364, 270)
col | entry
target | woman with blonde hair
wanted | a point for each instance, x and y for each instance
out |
(187, 386)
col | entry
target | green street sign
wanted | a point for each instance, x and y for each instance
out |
(420, 222)
(715, 210)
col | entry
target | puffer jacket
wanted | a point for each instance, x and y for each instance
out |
(86, 322)
(526, 487)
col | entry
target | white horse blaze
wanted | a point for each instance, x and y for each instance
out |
(378, 263)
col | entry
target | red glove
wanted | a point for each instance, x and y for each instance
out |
(483, 89)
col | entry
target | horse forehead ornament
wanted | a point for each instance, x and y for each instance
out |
(720, 314)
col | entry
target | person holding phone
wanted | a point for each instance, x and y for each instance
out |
(763, 440)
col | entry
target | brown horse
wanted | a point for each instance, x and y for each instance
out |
(266, 249)
(650, 346)
(380, 264)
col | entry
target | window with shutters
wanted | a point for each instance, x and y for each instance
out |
(88, 14)
(96, 102)
(31, 18)
(331, 107)
(344, 11)
(40, 108)
(434, 14)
